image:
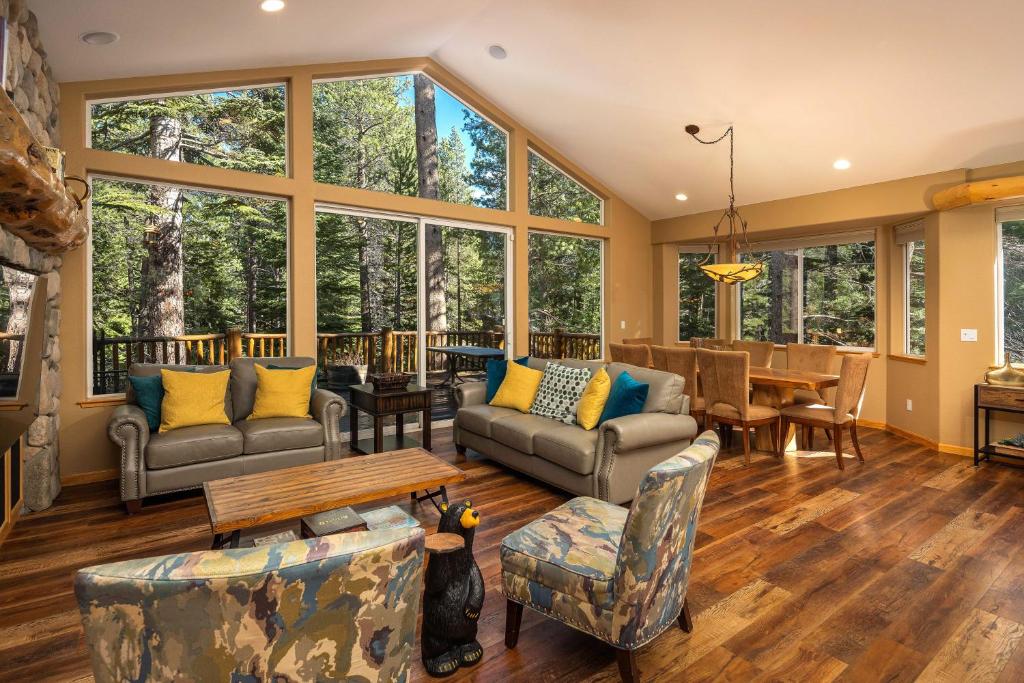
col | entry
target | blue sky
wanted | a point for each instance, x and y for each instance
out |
(449, 115)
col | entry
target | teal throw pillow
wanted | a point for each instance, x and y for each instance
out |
(149, 394)
(627, 397)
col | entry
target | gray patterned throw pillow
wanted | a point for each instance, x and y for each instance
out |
(560, 391)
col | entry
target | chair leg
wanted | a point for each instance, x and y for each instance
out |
(685, 620)
(628, 669)
(783, 432)
(856, 443)
(774, 429)
(513, 617)
(839, 446)
(746, 445)
(810, 438)
(828, 435)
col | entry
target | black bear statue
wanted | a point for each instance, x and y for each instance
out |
(453, 597)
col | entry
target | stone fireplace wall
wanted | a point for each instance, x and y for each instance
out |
(35, 95)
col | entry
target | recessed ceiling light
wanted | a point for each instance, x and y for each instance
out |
(272, 5)
(99, 38)
(681, 197)
(841, 164)
(497, 51)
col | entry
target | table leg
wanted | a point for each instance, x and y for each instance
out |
(218, 542)
(236, 537)
(425, 431)
(353, 426)
(399, 427)
(378, 434)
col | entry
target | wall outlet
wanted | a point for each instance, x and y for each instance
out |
(968, 335)
(622, 324)
(910, 405)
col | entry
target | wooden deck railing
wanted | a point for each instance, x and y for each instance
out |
(387, 350)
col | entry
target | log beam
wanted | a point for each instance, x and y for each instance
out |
(978, 192)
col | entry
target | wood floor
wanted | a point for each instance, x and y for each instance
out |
(908, 567)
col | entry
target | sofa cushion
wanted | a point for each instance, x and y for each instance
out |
(193, 398)
(279, 434)
(666, 392)
(570, 446)
(190, 445)
(243, 380)
(153, 369)
(479, 418)
(518, 431)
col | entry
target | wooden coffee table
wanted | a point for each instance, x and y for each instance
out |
(252, 500)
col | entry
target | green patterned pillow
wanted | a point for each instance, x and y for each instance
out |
(560, 391)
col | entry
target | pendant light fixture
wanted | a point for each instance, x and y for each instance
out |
(728, 273)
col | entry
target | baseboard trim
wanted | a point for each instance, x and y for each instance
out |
(90, 477)
(920, 439)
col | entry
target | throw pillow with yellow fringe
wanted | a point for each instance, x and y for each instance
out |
(519, 388)
(193, 398)
(282, 393)
(591, 405)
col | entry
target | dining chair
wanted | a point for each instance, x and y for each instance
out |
(639, 340)
(853, 375)
(633, 354)
(760, 352)
(683, 362)
(619, 575)
(726, 379)
(810, 358)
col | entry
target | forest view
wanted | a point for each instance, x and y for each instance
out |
(170, 261)
(1013, 289)
(838, 302)
(696, 298)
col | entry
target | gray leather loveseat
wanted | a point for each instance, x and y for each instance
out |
(606, 462)
(153, 463)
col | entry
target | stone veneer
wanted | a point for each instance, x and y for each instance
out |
(36, 95)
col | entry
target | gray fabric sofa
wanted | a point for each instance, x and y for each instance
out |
(153, 463)
(606, 462)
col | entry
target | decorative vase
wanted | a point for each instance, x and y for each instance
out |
(1007, 376)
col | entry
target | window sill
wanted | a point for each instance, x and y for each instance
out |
(103, 401)
(905, 358)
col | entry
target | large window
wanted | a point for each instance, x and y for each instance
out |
(822, 294)
(241, 129)
(1011, 266)
(911, 249)
(406, 135)
(178, 272)
(696, 297)
(555, 195)
(565, 296)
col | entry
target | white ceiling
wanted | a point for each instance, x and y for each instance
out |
(900, 88)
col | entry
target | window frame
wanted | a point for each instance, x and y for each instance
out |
(90, 177)
(695, 249)
(906, 256)
(811, 242)
(457, 98)
(1007, 214)
(89, 102)
(543, 157)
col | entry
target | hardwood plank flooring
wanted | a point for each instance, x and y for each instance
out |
(908, 567)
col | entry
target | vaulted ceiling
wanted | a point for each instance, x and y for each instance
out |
(898, 88)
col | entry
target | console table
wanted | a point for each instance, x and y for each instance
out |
(989, 397)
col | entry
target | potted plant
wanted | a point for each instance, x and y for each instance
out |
(348, 369)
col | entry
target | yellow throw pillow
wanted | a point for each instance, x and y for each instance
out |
(588, 412)
(193, 398)
(282, 393)
(519, 388)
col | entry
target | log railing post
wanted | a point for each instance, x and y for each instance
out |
(233, 342)
(558, 344)
(387, 347)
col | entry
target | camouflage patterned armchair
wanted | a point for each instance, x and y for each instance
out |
(617, 574)
(321, 609)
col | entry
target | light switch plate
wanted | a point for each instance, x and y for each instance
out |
(968, 334)
(910, 405)
(622, 324)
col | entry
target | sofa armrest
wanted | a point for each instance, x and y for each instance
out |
(471, 394)
(129, 429)
(328, 408)
(632, 432)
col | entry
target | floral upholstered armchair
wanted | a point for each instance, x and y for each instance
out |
(330, 608)
(617, 574)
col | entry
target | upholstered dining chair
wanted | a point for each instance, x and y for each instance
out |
(341, 607)
(853, 375)
(760, 352)
(619, 575)
(634, 354)
(726, 380)
(639, 340)
(683, 362)
(810, 358)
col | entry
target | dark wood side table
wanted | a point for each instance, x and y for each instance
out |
(380, 404)
(989, 397)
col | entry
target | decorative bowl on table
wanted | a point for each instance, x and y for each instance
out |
(389, 381)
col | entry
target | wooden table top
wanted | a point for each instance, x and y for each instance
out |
(266, 497)
(793, 379)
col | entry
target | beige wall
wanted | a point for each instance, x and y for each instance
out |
(87, 452)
